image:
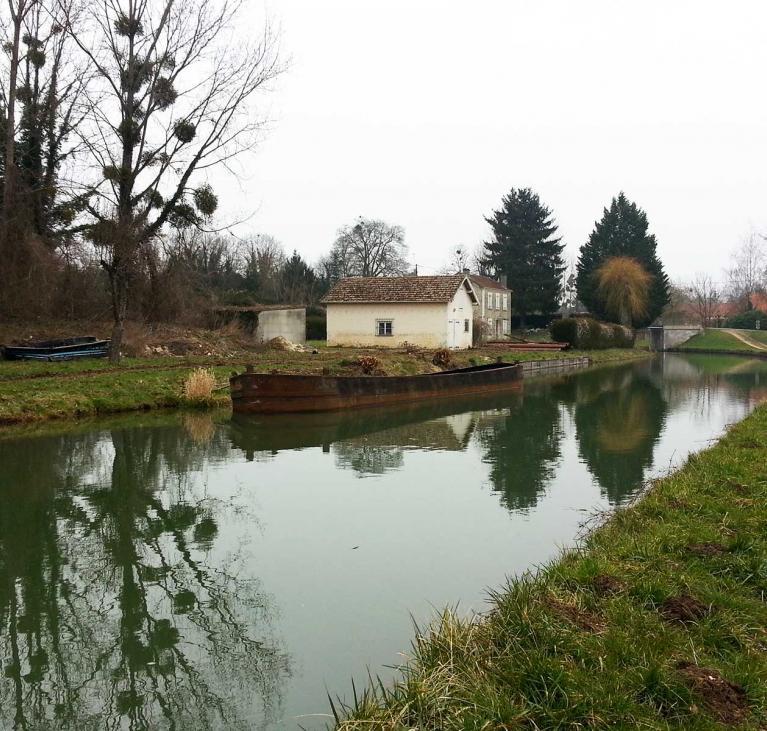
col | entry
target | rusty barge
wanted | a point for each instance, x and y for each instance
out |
(273, 393)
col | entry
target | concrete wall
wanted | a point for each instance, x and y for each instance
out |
(671, 336)
(420, 324)
(289, 324)
(427, 325)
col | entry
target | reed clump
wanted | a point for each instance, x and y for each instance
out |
(199, 386)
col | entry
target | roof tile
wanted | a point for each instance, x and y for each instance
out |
(394, 289)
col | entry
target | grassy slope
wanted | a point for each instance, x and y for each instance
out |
(592, 641)
(717, 340)
(31, 391)
(758, 335)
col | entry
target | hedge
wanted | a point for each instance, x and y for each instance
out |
(748, 320)
(586, 333)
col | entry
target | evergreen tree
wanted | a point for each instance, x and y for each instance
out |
(621, 232)
(526, 250)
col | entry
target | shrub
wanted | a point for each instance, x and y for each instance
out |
(564, 330)
(369, 364)
(316, 326)
(480, 331)
(747, 320)
(441, 358)
(585, 333)
(199, 385)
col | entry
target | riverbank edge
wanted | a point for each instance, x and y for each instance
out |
(79, 394)
(656, 620)
(712, 351)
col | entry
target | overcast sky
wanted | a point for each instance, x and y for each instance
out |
(425, 112)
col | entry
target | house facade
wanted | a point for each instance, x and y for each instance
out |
(494, 305)
(432, 312)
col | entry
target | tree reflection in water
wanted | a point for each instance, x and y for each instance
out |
(521, 446)
(112, 614)
(619, 415)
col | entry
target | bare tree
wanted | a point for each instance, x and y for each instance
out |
(370, 248)
(173, 97)
(40, 94)
(705, 298)
(459, 260)
(748, 273)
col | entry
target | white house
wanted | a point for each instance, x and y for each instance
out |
(433, 312)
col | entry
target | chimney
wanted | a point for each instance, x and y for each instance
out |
(502, 280)
(466, 270)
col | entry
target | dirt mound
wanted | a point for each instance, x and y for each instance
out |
(581, 618)
(707, 549)
(606, 585)
(280, 343)
(723, 699)
(683, 608)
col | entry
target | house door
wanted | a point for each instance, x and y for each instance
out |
(452, 333)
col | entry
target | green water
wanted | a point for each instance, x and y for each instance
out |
(193, 572)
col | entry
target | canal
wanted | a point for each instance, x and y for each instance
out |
(195, 571)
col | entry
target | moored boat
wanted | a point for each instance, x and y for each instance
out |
(280, 393)
(66, 349)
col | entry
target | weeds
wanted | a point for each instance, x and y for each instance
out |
(199, 386)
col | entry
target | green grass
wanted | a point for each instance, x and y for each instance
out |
(590, 640)
(717, 340)
(33, 391)
(758, 335)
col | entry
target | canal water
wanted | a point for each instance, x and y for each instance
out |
(196, 572)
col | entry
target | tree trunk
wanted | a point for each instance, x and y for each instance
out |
(119, 311)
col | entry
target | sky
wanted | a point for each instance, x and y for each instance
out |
(424, 113)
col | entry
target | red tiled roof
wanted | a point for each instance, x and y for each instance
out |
(396, 289)
(487, 282)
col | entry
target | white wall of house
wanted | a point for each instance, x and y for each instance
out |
(427, 325)
(460, 314)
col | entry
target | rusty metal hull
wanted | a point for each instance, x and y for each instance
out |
(276, 393)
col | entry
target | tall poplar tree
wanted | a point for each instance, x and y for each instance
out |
(621, 232)
(526, 249)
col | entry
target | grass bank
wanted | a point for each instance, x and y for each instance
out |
(658, 621)
(32, 391)
(714, 341)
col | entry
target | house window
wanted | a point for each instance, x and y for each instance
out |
(466, 326)
(489, 300)
(505, 302)
(384, 328)
(497, 300)
(505, 326)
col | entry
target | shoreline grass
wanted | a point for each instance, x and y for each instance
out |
(657, 620)
(35, 391)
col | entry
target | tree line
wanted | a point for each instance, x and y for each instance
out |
(618, 274)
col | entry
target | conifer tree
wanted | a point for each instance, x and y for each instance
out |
(622, 231)
(525, 249)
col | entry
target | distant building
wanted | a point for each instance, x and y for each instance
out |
(433, 312)
(494, 305)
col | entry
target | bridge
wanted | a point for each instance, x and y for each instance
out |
(666, 337)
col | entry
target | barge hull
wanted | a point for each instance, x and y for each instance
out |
(277, 393)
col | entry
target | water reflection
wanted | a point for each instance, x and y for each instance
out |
(618, 419)
(112, 615)
(130, 596)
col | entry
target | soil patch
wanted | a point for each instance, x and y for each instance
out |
(723, 699)
(707, 549)
(683, 608)
(606, 585)
(581, 618)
